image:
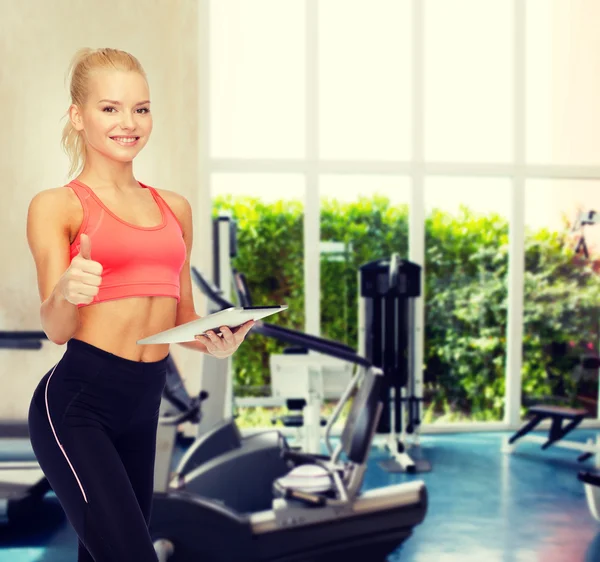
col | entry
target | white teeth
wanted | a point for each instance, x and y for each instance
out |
(125, 139)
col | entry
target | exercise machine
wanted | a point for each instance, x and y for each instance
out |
(216, 373)
(214, 430)
(388, 288)
(221, 455)
(177, 407)
(302, 381)
(23, 485)
(591, 483)
(583, 219)
(222, 433)
(562, 421)
(314, 512)
(309, 377)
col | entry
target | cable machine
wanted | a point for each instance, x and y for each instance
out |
(388, 289)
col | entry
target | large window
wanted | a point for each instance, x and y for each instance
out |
(441, 130)
(465, 298)
(562, 289)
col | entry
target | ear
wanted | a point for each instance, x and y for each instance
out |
(75, 117)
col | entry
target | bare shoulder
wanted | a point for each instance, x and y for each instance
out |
(51, 195)
(58, 207)
(175, 200)
(58, 202)
(179, 205)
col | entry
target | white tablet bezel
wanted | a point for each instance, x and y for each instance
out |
(231, 317)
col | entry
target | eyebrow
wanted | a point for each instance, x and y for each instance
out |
(119, 103)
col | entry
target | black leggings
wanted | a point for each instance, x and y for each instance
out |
(92, 423)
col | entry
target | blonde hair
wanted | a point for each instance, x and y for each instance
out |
(83, 63)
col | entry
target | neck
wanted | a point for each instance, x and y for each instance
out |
(103, 172)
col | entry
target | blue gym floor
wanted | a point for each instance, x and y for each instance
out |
(484, 506)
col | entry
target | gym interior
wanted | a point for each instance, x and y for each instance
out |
(430, 393)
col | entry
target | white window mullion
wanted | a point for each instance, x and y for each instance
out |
(312, 210)
(416, 232)
(358, 167)
(516, 255)
(562, 172)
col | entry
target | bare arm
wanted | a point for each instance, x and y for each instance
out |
(61, 286)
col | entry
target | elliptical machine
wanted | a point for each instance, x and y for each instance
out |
(314, 513)
(219, 460)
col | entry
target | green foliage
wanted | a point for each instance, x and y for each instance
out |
(259, 416)
(466, 274)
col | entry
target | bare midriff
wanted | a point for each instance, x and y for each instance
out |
(116, 326)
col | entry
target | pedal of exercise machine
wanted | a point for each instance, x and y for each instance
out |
(406, 460)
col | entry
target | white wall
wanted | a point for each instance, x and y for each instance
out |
(37, 41)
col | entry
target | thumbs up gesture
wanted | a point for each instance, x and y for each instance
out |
(80, 283)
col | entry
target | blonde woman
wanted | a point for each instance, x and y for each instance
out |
(112, 258)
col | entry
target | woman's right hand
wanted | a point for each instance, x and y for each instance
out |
(80, 283)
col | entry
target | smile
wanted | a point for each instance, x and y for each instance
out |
(126, 141)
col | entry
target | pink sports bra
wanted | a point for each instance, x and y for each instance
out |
(137, 261)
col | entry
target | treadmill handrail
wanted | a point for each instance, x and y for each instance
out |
(333, 343)
(287, 335)
(22, 339)
(313, 343)
(210, 290)
(22, 335)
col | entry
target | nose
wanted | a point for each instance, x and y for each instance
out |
(127, 121)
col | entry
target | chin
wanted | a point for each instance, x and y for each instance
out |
(125, 154)
(124, 158)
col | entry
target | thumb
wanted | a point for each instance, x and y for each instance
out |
(85, 247)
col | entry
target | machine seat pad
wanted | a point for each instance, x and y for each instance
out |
(309, 478)
(557, 411)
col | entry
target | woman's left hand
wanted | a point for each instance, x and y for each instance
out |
(227, 343)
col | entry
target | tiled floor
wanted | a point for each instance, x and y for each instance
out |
(483, 506)
(489, 506)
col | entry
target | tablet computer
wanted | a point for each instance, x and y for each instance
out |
(230, 317)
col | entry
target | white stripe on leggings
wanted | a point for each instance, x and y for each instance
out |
(56, 437)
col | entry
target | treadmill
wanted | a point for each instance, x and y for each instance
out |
(22, 482)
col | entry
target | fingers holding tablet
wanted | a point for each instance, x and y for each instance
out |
(228, 340)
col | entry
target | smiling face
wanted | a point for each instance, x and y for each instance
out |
(115, 119)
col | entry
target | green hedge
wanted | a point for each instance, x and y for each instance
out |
(466, 276)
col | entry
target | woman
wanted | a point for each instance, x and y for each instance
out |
(112, 258)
